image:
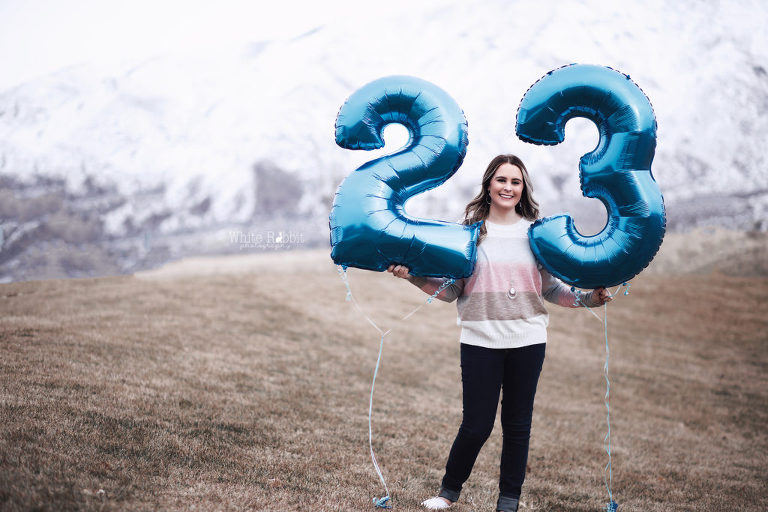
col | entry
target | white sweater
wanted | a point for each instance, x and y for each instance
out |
(501, 304)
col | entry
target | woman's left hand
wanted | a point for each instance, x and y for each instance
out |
(600, 296)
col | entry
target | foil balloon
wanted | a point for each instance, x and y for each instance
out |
(618, 172)
(369, 226)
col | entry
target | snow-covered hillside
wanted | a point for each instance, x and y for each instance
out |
(123, 165)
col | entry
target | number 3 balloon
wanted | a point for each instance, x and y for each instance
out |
(618, 172)
(369, 226)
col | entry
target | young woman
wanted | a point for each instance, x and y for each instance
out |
(504, 329)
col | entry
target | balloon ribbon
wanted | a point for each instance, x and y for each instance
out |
(611, 506)
(342, 270)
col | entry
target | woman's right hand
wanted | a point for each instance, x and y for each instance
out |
(400, 271)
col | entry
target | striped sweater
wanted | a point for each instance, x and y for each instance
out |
(501, 304)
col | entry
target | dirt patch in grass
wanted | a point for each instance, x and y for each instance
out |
(249, 391)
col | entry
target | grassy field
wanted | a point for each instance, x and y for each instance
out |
(247, 389)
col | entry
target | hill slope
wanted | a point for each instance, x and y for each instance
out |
(235, 391)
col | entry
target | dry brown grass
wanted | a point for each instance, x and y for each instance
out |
(250, 391)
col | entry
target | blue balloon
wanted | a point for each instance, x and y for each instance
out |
(618, 172)
(369, 226)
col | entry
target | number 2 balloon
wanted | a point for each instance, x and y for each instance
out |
(369, 226)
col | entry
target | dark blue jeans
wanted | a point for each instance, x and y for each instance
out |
(484, 373)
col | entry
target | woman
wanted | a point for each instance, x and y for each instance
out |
(503, 333)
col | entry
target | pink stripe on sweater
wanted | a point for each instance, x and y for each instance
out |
(503, 276)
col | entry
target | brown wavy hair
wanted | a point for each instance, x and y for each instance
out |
(478, 208)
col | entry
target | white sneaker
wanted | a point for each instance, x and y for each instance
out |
(436, 503)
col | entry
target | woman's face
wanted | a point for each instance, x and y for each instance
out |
(506, 187)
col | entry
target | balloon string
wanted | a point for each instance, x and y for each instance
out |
(382, 502)
(351, 298)
(612, 506)
(607, 439)
(370, 415)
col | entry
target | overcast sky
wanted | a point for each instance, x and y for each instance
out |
(40, 36)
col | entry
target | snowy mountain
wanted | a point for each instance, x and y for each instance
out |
(111, 167)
